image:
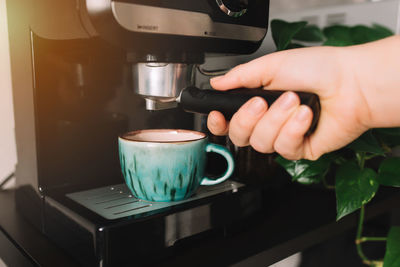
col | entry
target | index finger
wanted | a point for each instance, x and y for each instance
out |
(304, 69)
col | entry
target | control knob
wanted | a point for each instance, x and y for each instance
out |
(233, 8)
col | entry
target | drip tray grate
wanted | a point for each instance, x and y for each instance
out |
(113, 202)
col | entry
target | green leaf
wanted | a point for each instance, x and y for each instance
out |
(310, 180)
(334, 42)
(338, 35)
(340, 160)
(389, 172)
(389, 136)
(389, 131)
(384, 31)
(283, 32)
(354, 188)
(362, 34)
(367, 143)
(392, 255)
(294, 45)
(307, 171)
(309, 33)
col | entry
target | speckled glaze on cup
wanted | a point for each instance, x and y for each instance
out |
(167, 165)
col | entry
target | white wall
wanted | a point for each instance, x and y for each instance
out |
(8, 156)
(282, 6)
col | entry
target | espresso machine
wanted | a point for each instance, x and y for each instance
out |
(86, 71)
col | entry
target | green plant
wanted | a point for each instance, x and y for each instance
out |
(356, 182)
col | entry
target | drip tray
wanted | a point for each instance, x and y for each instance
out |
(113, 202)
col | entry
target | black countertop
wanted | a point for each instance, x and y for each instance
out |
(298, 217)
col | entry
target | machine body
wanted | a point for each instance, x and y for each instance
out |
(74, 65)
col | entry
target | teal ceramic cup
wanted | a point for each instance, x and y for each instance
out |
(168, 165)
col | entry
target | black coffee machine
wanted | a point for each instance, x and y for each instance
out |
(86, 71)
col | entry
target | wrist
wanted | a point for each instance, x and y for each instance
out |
(376, 68)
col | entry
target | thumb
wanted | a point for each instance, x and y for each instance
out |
(304, 69)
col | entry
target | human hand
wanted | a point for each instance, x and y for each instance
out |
(344, 79)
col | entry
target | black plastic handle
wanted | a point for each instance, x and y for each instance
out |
(228, 102)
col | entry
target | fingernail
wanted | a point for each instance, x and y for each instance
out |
(289, 100)
(213, 121)
(302, 114)
(257, 105)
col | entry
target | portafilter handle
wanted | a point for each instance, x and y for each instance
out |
(193, 99)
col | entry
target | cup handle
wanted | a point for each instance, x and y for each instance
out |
(223, 151)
